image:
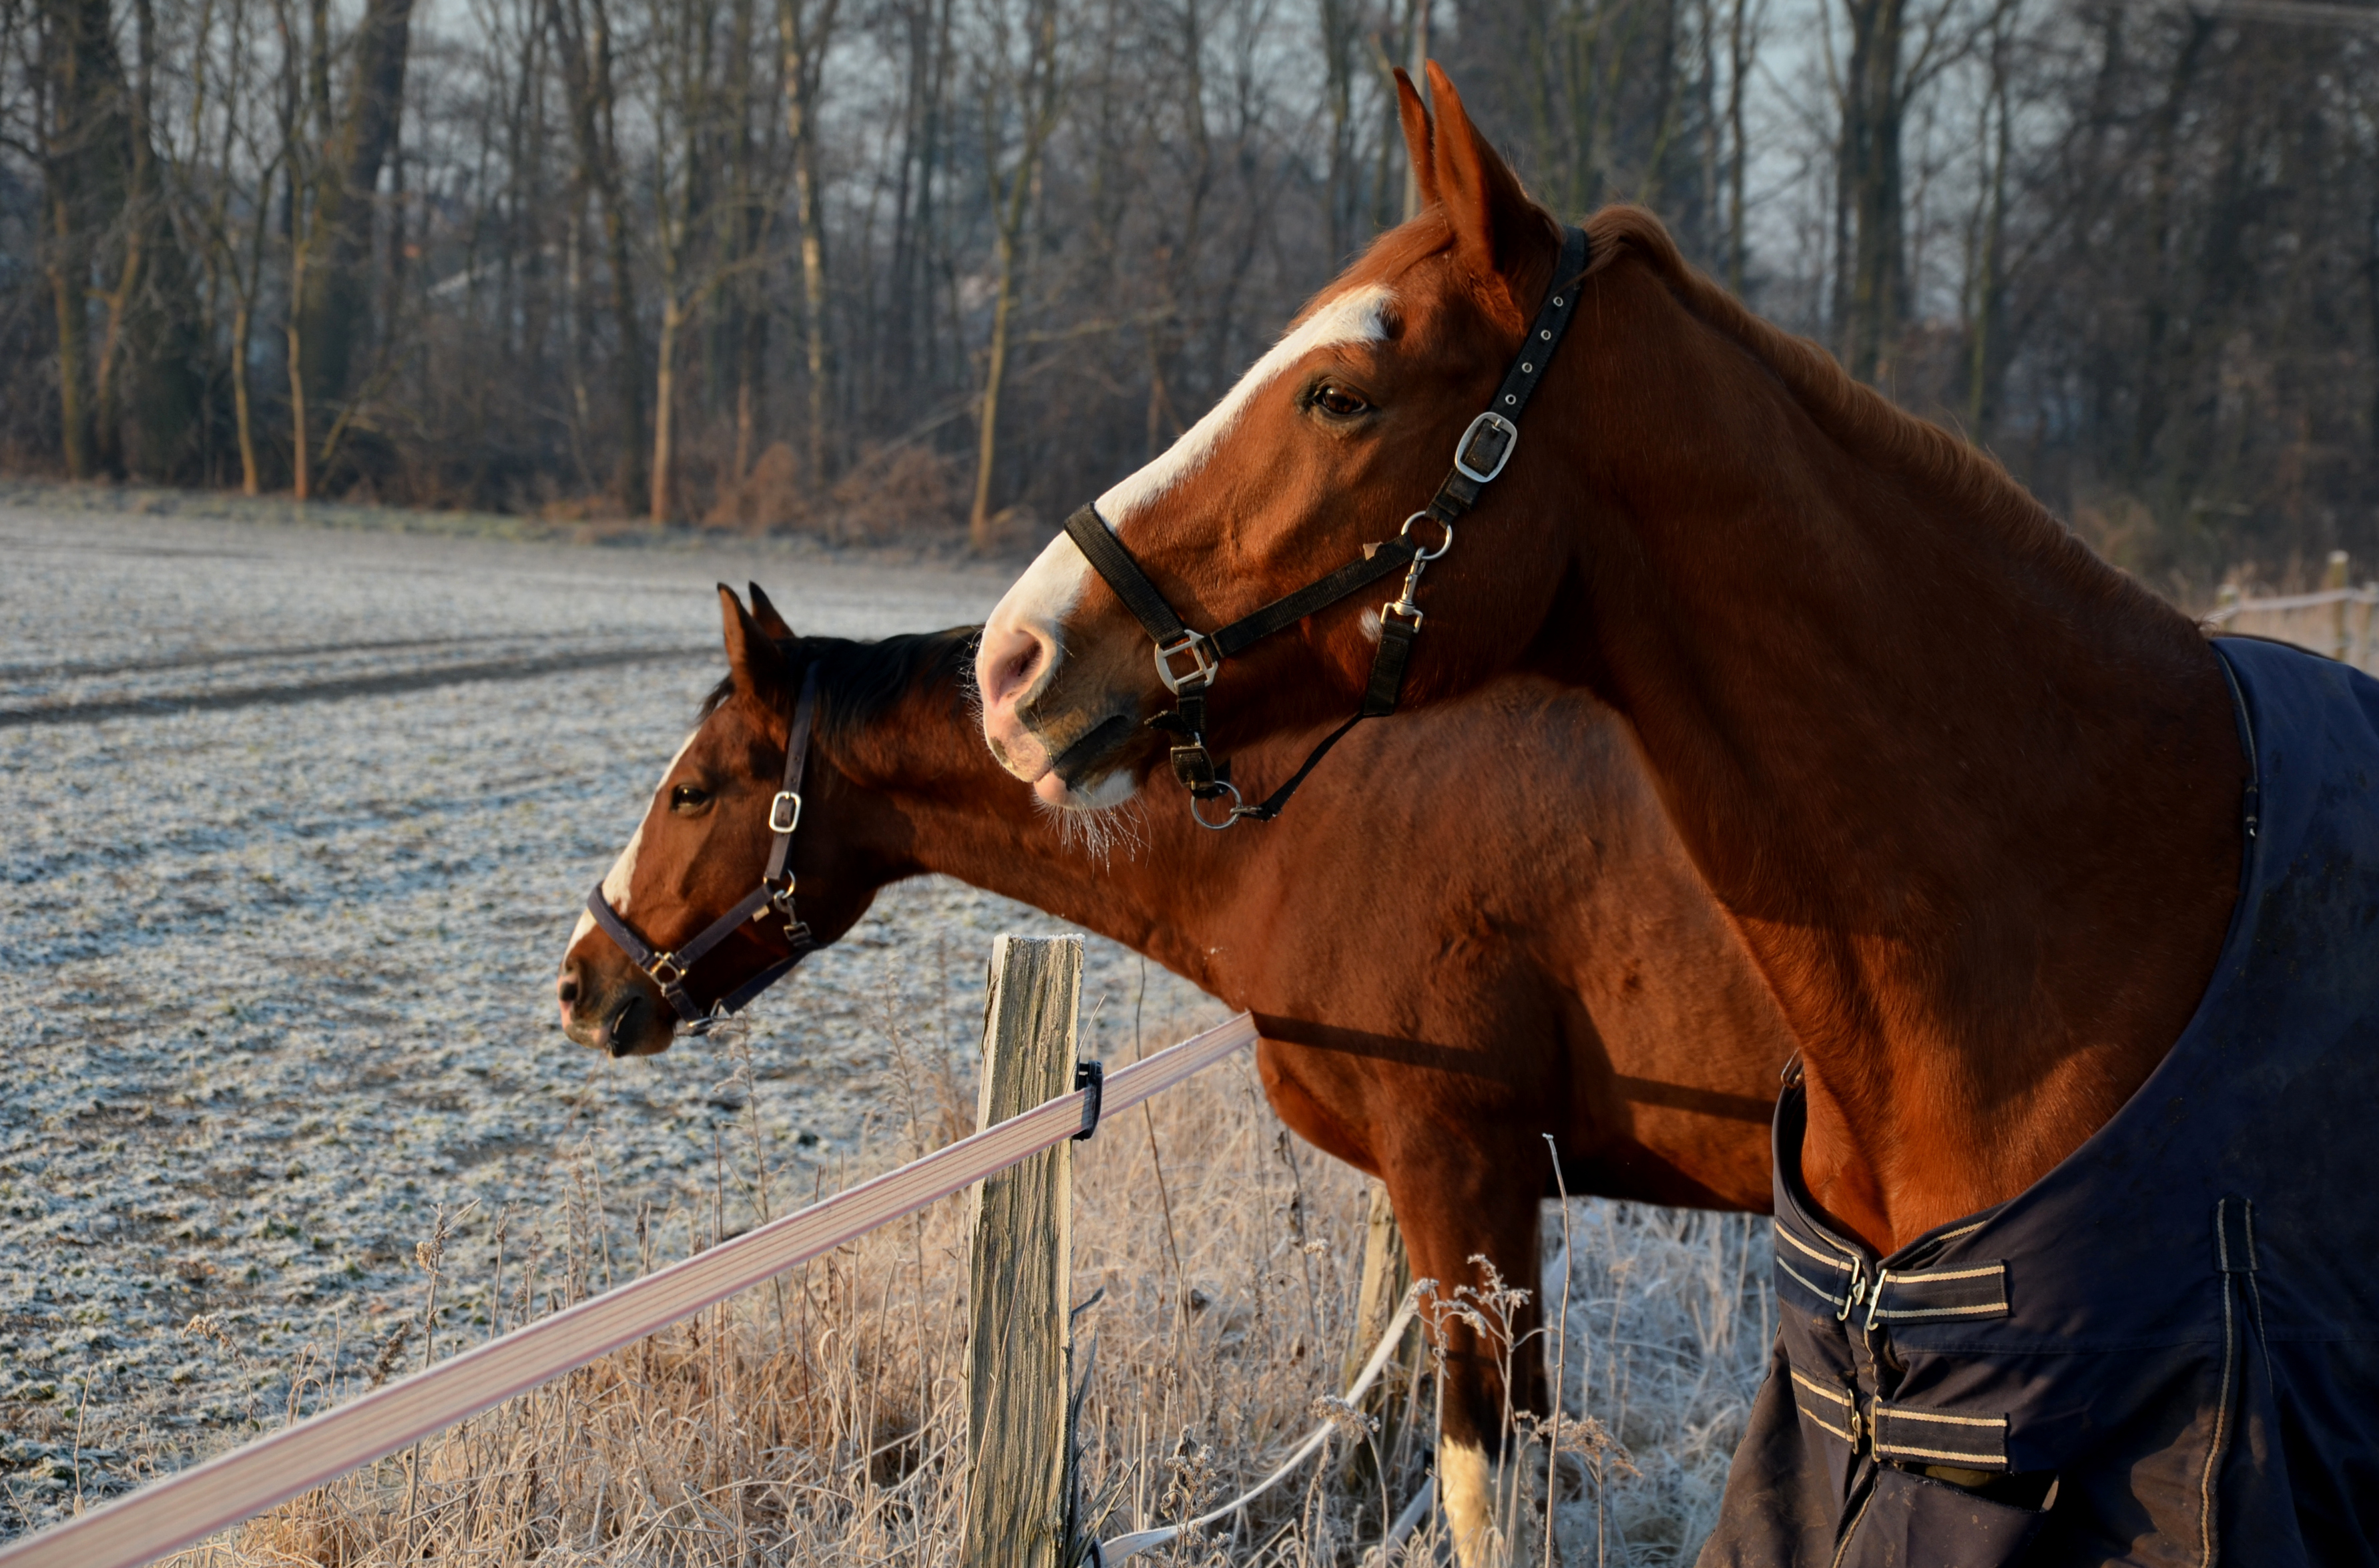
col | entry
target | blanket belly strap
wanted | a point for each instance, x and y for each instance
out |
(1975, 1290)
(1935, 1437)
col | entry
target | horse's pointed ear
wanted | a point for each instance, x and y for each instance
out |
(765, 616)
(752, 658)
(1415, 115)
(1491, 215)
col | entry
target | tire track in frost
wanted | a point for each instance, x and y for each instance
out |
(344, 688)
(83, 670)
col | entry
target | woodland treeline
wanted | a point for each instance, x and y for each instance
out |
(869, 266)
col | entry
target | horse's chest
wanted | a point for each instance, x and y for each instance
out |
(2179, 1326)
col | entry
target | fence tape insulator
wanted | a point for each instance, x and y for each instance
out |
(192, 1505)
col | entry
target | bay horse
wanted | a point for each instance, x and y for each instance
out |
(1435, 987)
(1978, 804)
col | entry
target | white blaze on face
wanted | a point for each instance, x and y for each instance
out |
(1357, 316)
(622, 874)
(1048, 591)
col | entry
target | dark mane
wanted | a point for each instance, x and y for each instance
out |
(859, 683)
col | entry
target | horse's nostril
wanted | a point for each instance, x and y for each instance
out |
(1014, 662)
(620, 1025)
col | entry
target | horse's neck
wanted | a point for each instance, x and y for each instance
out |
(1970, 795)
(962, 815)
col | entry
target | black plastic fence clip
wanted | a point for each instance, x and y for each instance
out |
(1091, 1076)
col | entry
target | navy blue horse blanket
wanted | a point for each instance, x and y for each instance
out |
(2166, 1350)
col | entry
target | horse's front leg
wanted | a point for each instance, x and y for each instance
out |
(1491, 1350)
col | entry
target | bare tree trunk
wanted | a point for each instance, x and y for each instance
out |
(1338, 38)
(1036, 99)
(1868, 169)
(337, 302)
(1741, 45)
(803, 36)
(251, 481)
(1416, 61)
(665, 404)
(584, 36)
(66, 289)
(979, 534)
(2157, 284)
(104, 209)
(301, 454)
(1987, 355)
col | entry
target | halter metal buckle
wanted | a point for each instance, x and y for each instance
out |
(1202, 664)
(669, 962)
(1403, 608)
(776, 809)
(1488, 425)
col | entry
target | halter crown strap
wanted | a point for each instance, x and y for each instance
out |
(1494, 434)
(1479, 457)
(669, 970)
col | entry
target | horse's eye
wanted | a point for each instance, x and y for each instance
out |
(1338, 402)
(688, 797)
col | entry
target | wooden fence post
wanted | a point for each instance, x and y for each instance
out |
(1020, 1450)
(1387, 1275)
(2333, 578)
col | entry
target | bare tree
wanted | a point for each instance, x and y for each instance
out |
(1019, 107)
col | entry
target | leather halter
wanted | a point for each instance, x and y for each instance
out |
(669, 970)
(1485, 447)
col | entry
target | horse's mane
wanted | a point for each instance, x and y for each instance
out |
(861, 683)
(1862, 419)
(1856, 415)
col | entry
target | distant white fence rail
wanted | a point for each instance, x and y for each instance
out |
(2336, 621)
(185, 1508)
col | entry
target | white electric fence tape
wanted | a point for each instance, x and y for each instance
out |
(1121, 1546)
(188, 1507)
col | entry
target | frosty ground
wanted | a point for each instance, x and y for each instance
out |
(280, 973)
(299, 821)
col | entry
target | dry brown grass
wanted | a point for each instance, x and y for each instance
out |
(820, 1419)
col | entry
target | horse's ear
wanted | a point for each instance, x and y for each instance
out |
(1415, 115)
(765, 616)
(1491, 215)
(752, 658)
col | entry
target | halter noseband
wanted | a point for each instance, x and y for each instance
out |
(1485, 447)
(669, 970)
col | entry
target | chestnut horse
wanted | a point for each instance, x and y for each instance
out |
(1514, 946)
(1971, 796)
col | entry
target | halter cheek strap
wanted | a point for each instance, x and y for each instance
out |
(1188, 661)
(668, 969)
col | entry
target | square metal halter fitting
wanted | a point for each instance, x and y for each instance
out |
(1485, 447)
(781, 819)
(1202, 664)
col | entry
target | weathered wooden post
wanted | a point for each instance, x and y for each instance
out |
(1020, 1450)
(2333, 580)
(1387, 1275)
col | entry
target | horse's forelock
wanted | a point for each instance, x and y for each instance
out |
(859, 683)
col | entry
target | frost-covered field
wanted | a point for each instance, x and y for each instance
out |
(279, 973)
(300, 819)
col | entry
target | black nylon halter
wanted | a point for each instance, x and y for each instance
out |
(1485, 447)
(669, 970)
